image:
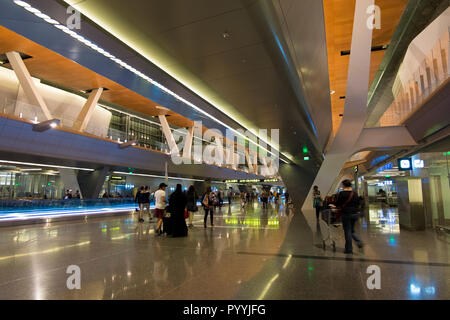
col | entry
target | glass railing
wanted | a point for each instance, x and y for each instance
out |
(32, 113)
(424, 69)
(29, 112)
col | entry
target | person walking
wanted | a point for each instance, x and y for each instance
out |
(317, 201)
(208, 205)
(177, 205)
(229, 195)
(160, 205)
(348, 201)
(191, 204)
(264, 198)
(140, 199)
(146, 206)
(243, 197)
(221, 196)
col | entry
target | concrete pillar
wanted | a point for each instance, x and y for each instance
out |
(69, 180)
(298, 180)
(410, 204)
(91, 182)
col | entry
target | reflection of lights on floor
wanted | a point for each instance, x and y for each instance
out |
(385, 219)
(392, 241)
(267, 287)
(416, 290)
(56, 249)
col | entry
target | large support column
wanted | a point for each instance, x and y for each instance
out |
(25, 80)
(355, 105)
(88, 109)
(168, 134)
(69, 180)
(298, 180)
(91, 182)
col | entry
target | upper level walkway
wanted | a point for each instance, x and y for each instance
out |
(251, 253)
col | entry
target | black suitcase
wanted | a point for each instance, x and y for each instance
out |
(167, 226)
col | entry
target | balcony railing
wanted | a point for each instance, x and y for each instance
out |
(421, 73)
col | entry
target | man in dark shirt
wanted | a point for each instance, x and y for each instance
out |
(348, 201)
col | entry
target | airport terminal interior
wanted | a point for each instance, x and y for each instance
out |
(224, 150)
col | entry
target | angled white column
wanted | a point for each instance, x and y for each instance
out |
(355, 105)
(168, 134)
(88, 109)
(25, 80)
(249, 162)
(187, 148)
(235, 161)
(229, 152)
(255, 162)
(265, 168)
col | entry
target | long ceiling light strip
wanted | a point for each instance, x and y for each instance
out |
(90, 44)
(43, 165)
(154, 176)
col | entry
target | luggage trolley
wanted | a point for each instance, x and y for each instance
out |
(330, 224)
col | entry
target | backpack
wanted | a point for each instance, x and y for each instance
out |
(213, 199)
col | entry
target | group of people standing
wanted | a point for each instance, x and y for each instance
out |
(172, 214)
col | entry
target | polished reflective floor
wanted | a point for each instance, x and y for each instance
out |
(251, 253)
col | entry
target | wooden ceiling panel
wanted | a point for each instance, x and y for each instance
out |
(48, 65)
(339, 24)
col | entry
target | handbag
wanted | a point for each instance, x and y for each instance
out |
(186, 214)
(205, 201)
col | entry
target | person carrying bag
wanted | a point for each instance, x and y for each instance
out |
(348, 202)
(208, 206)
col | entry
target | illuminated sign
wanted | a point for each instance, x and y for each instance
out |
(418, 164)
(404, 164)
(251, 180)
(385, 183)
(356, 169)
(269, 180)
